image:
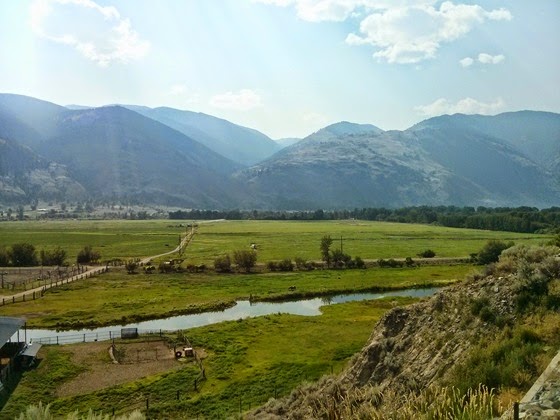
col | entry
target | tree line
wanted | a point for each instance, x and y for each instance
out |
(24, 254)
(511, 219)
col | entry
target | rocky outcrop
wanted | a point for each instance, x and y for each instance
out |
(411, 347)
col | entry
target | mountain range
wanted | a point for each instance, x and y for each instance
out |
(182, 158)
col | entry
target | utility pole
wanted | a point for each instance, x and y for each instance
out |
(341, 244)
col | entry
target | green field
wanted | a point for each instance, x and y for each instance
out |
(113, 239)
(275, 239)
(252, 359)
(118, 297)
(370, 240)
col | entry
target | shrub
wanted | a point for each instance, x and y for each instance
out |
(428, 253)
(88, 255)
(23, 254)
(409, 262)
(245, 259)
(222, 264)
(286, 265)
(4, 257)
(359, 263)
(54, 257)
(491, 251)
(271, 266)
(131, 266)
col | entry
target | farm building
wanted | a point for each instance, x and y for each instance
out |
(14, 354)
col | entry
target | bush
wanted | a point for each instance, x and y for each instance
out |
(286, 265)
(359, 263)
(428, 253)
(131, 266)
(491, 251)
(271, 266)
(409, 262)
(222, 264)
(4, 257)
(23, 254)
(88, 255)
(55, 257)
(245, 259)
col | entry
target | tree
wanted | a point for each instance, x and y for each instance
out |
(245, 259)
(222, 264)
(326, 242)
(20, 214)
(23, 254)
(4, 257)
(491, 251)
(340, 259)
(55, 257)
(87, 255)
(131, 266)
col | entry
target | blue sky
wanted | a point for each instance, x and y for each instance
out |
(287, 67)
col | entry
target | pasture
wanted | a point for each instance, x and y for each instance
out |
(248, 361)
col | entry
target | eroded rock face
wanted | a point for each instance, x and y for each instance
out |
(412, 347)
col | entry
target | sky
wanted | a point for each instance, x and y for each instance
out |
(287, 67)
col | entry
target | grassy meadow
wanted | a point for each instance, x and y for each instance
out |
(251, 359)
(370, 240)
(118, 297)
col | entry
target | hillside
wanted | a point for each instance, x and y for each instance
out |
(440, 161)
(240, 144)
(481, 331)
(117, 153)
(24, 176)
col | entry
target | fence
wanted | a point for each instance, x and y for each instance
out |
(40, 291)
(90, 337)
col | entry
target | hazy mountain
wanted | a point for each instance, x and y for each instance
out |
(117, 152)
(439, 161)
(25, 176)
(535, 134)
(240, 144)
(75, 107)
(288, 141)
(27, 120)
(52, 152)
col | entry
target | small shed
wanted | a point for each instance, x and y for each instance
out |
(10, 350)
(29, 354)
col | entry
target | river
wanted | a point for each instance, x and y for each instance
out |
(242, 309)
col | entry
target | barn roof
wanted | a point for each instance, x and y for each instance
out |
(8, 327)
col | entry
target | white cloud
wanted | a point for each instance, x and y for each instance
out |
(97, 32)
(466, 62)
(483, 58)
(490, 59)
(244, 100)
(463, 106)
(402, 31)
